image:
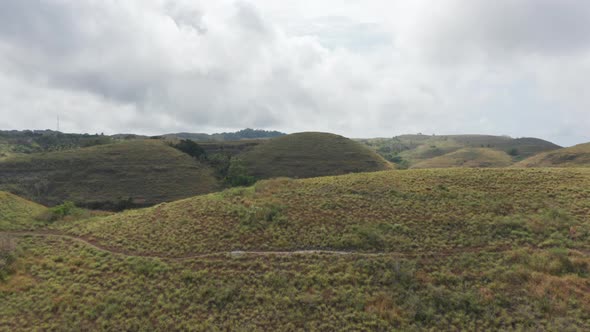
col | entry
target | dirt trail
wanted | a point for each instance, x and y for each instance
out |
(119, 251)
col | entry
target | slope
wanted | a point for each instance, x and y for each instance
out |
(411, 211)
(408, 150)
(468, 157)
(16, 212)
(445, 249)
(132, 173)
(310, 154)
(576, 156)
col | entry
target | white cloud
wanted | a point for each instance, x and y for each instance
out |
(370, 68)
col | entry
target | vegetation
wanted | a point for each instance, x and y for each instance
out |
(19, 142)
(18, 213)
(305, 155)
(244, 134)
(576, 156)
(114, 176)
(412, 211)
(421, 249)
(408, 150)
(59, 284)
(468, 157)
(191, 148)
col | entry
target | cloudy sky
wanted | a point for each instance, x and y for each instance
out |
(360, 68)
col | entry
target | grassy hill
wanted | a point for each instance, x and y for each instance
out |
(415, 210)
(576, 156)
(444, 249)
(310, 154)
(132, 173)
(408, 150)
(468, 157)
(16, 212)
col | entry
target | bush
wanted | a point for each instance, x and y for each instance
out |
(191, 148)
(58, 212)
(259, 216)
(237, 175)
(7, 256)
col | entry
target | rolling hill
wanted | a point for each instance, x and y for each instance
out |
(369, 211)
(575, 156)
(310, 154)
(408, 150)
(468, 157)
(435, 249)
(16, 212)
(113, 176)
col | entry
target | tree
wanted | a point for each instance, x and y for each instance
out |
(191, 148)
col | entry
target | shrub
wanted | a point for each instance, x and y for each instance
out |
(58, 212)
(237, 174)
(7, 256)
(191, 148)
(260, 216)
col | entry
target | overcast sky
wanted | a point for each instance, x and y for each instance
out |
(360, 68)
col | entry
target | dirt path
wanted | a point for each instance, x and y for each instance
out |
(118, 251)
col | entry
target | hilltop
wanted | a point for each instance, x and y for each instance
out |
(408, 150)
(244, 134)
(112, 176)
(309, 154)
(468, 157)
(576, 156)
(16, 212)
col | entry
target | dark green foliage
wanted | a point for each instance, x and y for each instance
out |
(238, 175)
(191, 148)
(513, 152)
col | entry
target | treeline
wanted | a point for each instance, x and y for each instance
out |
(29, 141)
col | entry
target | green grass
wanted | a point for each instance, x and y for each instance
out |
(455, 249)
(310, 154)
(408, 150)
(468, 157)
(134, 173)
(393, 211)
(576, 156)
(58, 284)
(18, 213)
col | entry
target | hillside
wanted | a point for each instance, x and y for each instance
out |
(370, 211)
(310, 154)
(445, 249)
(576, 156)
(468, 157)
(16, 212)
(133, 173)
(408, 150)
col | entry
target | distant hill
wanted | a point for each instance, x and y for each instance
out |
(17, 212)
(310, 154)
(113, 176)
(468, 157)
(235, 136)
(14, 142)
(408, 150)
(575, 156)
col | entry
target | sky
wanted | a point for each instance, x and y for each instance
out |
(359, 68)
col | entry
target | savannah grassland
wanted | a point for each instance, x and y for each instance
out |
(448, 249)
